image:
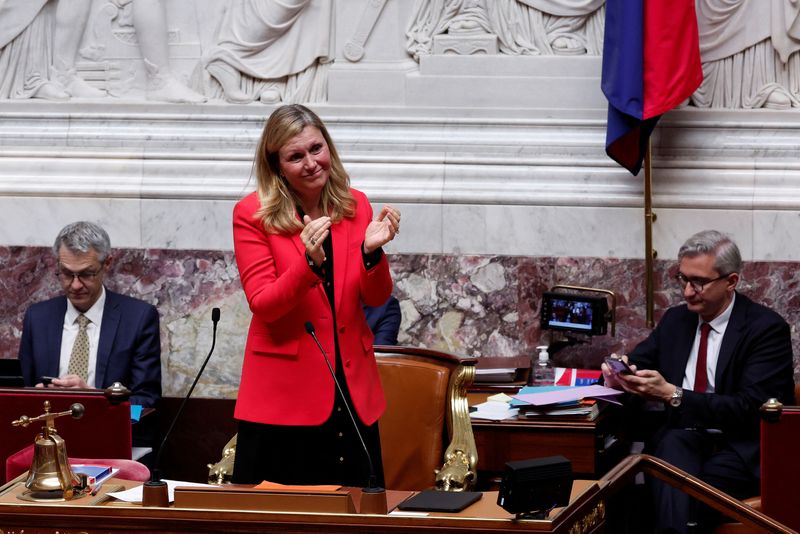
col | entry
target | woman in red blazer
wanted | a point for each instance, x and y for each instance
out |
(308, 251)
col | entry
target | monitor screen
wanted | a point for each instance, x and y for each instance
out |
(574, 313)
(571, 314)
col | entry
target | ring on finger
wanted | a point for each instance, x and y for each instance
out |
(313, 241)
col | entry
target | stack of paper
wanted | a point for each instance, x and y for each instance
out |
(562, 400)
(494, 411)
(503, 374)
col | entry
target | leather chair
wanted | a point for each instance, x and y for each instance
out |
(780, 432)
(426, 434)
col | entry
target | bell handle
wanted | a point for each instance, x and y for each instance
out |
(76, 411)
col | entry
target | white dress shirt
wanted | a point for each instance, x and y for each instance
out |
(70, 332)
(718, 326)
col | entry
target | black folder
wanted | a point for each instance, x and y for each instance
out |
(440, 501)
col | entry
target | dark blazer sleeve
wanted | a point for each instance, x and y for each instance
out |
(25, 354)
(384, 321)
(40, 344)
(130, 348)
(146, 362)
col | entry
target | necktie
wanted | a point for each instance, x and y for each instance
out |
(700, 373)
(79, 360)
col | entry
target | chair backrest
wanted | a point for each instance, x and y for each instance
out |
(780, 469)
(426, 435)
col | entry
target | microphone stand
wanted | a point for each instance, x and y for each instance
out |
(373, 497)
(154, 491)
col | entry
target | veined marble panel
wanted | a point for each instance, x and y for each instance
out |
(477, 305)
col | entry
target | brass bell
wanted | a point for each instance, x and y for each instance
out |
(50, 476)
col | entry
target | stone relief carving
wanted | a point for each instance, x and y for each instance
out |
(749, 52)
(40, 39)
(354, 47)
(38, 48)
(270, 50)
(512, 27)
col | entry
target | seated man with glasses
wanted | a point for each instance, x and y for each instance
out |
(710, 363)
(91, 337)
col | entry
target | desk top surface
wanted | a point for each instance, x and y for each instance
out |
(101, 512)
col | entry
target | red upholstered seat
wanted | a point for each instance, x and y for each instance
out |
(19, 462)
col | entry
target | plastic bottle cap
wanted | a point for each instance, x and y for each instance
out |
(543, 355)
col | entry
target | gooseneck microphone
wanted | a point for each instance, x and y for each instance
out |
(372, 485)
(155, 490)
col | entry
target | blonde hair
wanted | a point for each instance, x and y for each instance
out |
(278, 211)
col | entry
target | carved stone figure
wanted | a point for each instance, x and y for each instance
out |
(749, 53)
(39, 42)
(150, 23)
(533, 27)
(271, 50)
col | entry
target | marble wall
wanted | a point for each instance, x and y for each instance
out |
(465, 304)
(492, 146)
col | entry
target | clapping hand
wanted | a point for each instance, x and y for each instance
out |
(382, 230)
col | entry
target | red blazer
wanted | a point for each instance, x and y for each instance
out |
(284, 379)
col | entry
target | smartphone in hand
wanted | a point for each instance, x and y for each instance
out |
(618, 365)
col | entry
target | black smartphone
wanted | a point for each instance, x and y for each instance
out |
(46, 380)
(618, 365)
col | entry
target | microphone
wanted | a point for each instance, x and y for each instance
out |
(154, 492)
(373, 498)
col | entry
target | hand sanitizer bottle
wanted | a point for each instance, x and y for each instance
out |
(544, 374)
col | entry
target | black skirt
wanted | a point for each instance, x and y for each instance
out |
(330, 453)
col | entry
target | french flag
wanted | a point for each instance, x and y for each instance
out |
(651, 63)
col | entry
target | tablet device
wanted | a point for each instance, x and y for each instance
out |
(440, 501)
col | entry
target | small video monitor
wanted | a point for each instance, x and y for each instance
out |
(569, 312)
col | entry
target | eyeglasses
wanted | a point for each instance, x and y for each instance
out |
(698, 284)
(67, 277)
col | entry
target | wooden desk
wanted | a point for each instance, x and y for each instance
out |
(591, 446)
(587, 509)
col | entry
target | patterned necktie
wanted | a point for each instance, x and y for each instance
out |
(79, 360)
(700, 372)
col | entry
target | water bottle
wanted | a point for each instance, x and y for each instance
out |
(543, 372)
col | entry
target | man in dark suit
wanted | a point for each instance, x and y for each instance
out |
(710, 363)
(91, 337)
(384, 321)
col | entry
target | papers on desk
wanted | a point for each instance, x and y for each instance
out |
(497, 375)
(494, 411)
(134, 495)
(549, 395)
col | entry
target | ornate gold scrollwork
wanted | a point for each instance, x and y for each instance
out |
(590, 521)
(461, 457)
(222, 471)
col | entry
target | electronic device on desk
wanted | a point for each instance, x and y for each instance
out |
(574, 314)
(531, 488)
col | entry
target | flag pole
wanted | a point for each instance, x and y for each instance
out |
(649, 253)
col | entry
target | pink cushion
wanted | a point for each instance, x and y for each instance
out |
(20, 461)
